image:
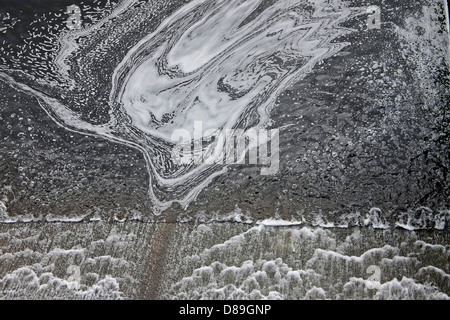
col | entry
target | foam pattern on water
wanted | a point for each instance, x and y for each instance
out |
(174, 76)
(364, 129)
(136, 260)
(310, 263)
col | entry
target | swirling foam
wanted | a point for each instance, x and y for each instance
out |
(219, 62)
(205, 64)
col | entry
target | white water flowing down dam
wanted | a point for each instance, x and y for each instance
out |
(224, 149)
